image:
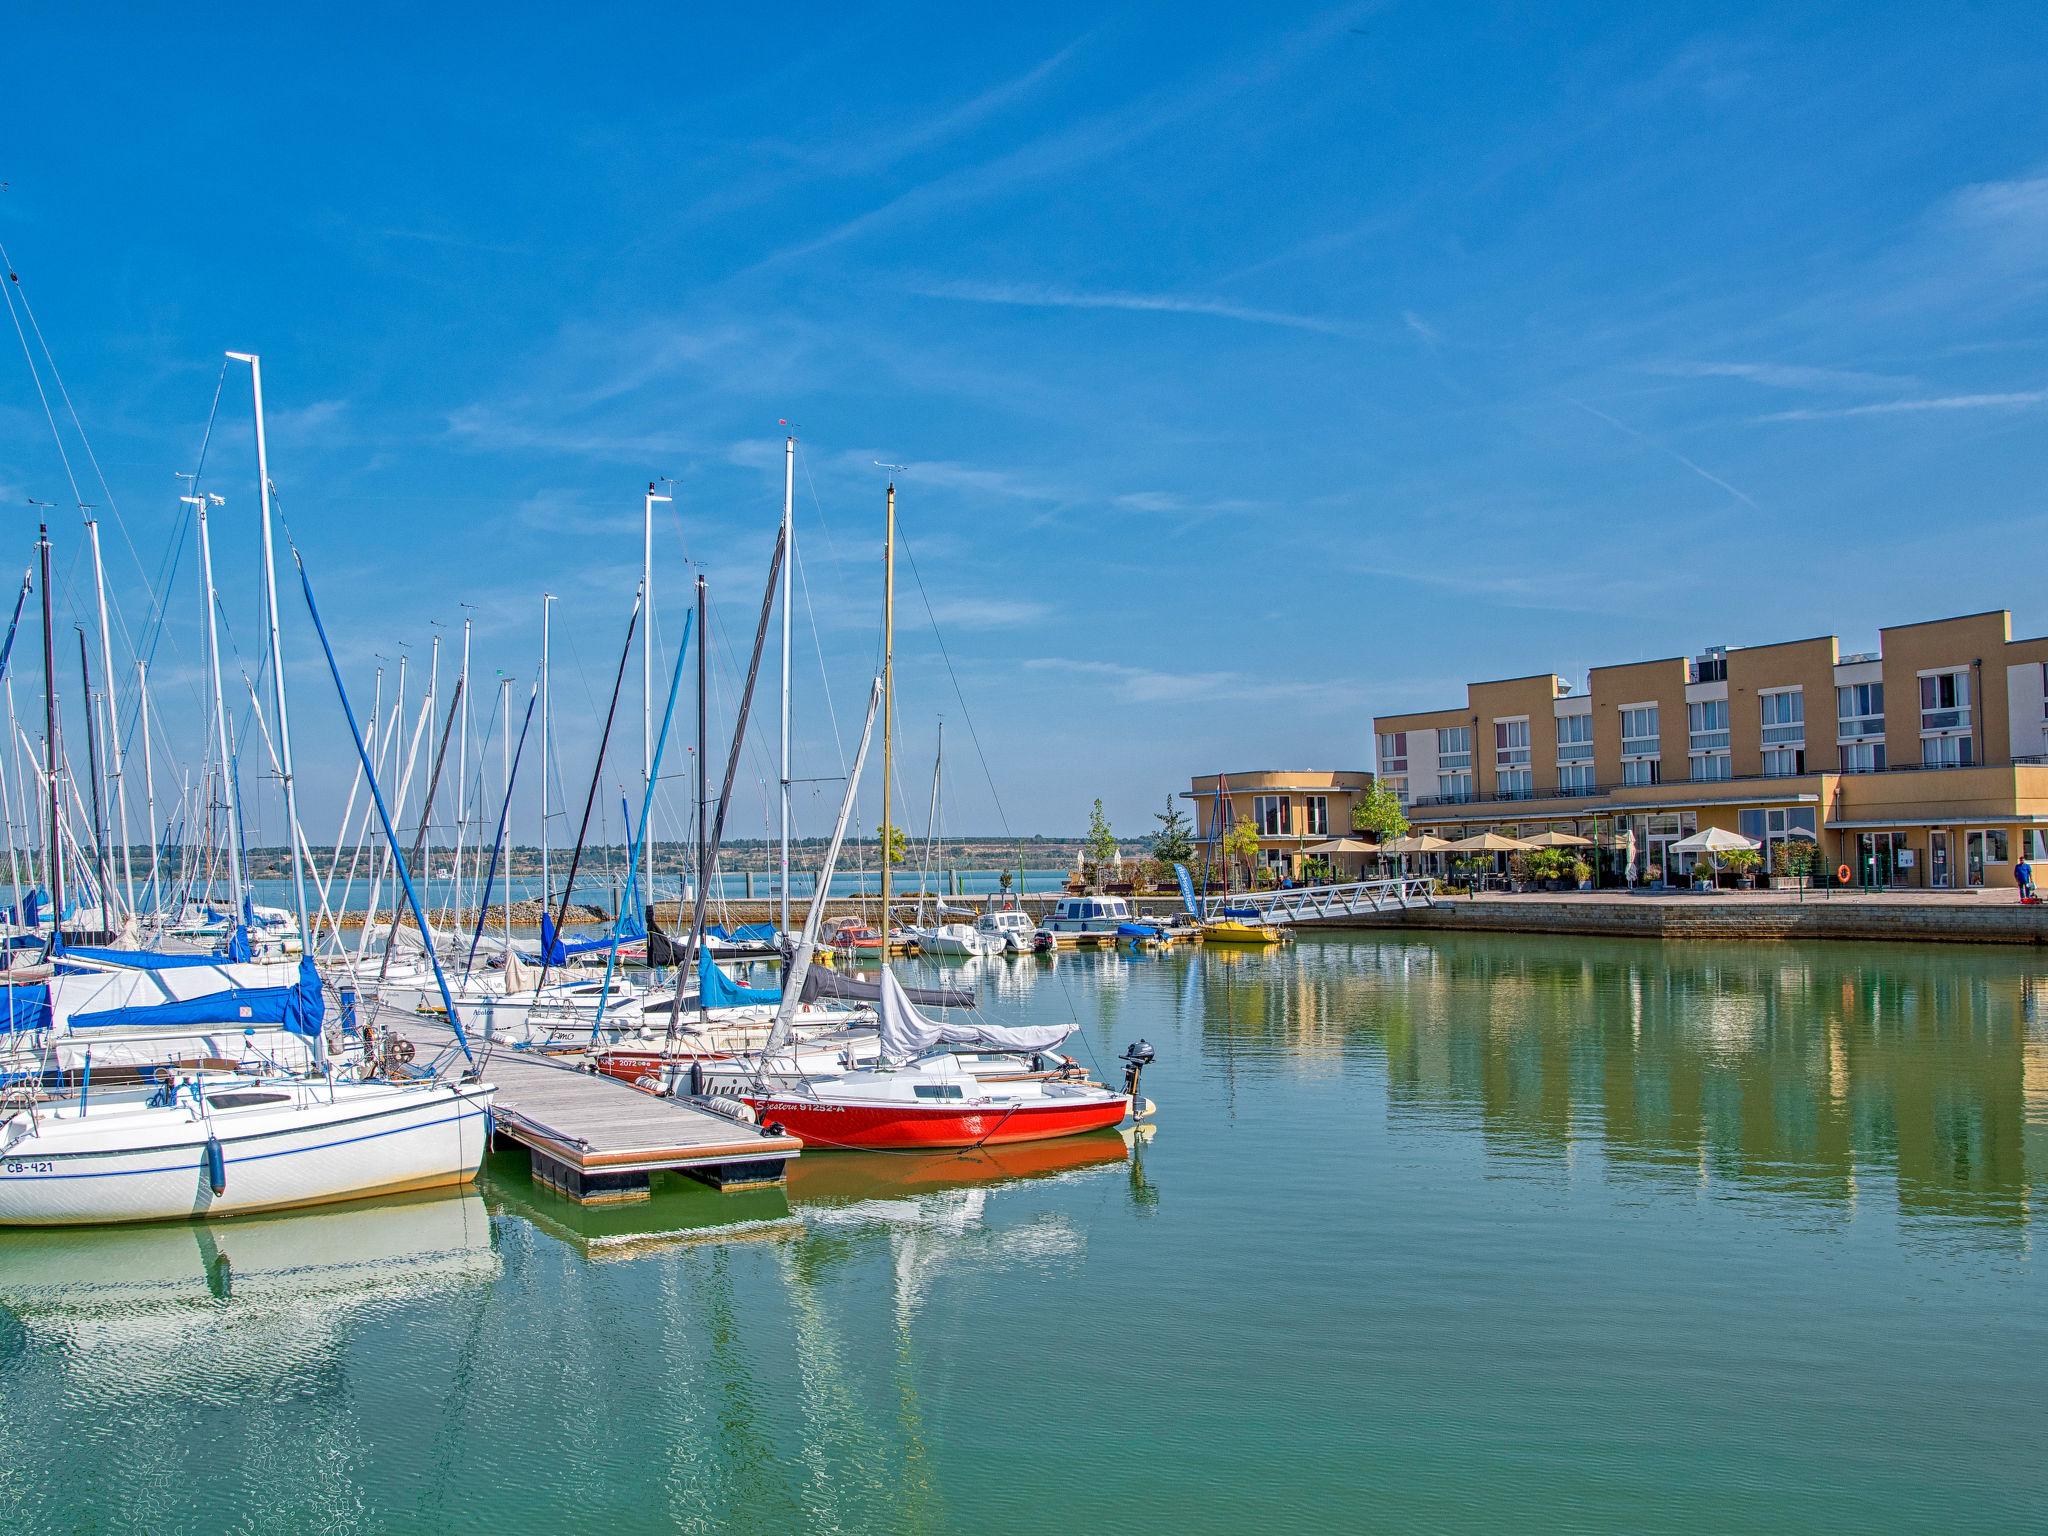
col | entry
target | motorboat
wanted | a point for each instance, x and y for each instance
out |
(1010, 927)
(1242, 930)
(1083, 919)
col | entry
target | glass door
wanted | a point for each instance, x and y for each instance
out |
(1938, 875)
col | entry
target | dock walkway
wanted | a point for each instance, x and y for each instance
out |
(594, 1138)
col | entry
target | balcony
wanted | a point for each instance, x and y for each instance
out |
(1679, 786)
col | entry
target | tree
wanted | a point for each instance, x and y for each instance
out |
(1172, 844)
(897, 841)
(1101, 841)
(1241, 842)
(1379, 811)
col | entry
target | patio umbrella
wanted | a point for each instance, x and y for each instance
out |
(1356, 847)
(1714, 842)
(1559, 840)
(1490, 842)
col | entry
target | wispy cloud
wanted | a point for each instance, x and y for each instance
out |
(1781, 375)
(2008, 401)
(1147, 685)
(988, 613)
(1047, 296)
(1671, 453)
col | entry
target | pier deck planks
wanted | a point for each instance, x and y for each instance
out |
(604, 1136)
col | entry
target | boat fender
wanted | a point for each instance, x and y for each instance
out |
(774, 1128)
(216, 1167)
(732, 1109)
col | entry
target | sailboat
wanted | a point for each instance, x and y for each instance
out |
(956, 939)
(921, 1092)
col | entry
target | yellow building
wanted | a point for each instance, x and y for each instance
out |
(1923, 764)
(1291, 808)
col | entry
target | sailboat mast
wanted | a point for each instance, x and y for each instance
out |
(505, 712)
(461, 778)
(114, 753)
(888, 698)
(647, 685)
(547, 603)
(156, 889)
(53, 849)
(92, 775)
(703, 733)
(788, 560)
(284, 719)
(220, 714)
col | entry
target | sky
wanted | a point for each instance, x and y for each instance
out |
(1254, 369)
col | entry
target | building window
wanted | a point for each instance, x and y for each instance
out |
(1859, 711)
(1707, 736)
(1454, 787)
(1639, 736)
(1400, 789)
(1574, 739)
(1454, 748)
(1784, 762)
(1944, 702)
(1393, 753)
(1271, 814)
(1575, 778)
(1515, 783)
(1511, 743)
(1279, 860)
(1315, 815)
(2035, 841)
(1863, 757)
(1784, 717)
(1946, 752)
(1641, 770)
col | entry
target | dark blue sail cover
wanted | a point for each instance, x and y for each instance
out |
(554, 952)
(299, 1009)
(715, 989)
(25, 1008)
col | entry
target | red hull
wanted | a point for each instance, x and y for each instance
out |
(646, 1070)
(879, 1126)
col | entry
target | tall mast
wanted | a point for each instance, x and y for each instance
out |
(114, 753)
(462, 776)
(703, 679)
(788, 560)
(220, 714)
(505, 711)
(53, 848)
(888, 699)
(647, 686)
(284, 720)
(156, 890)
(92, 777)
(547, 601)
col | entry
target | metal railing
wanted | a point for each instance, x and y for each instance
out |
(1600, 791)
(1356, 898)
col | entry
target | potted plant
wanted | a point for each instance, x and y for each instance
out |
(1743, 863)
(1653, 874)
(1582, 874)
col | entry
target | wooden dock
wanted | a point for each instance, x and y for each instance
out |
(595, 1139)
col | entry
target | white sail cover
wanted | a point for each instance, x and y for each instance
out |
(906, 1033)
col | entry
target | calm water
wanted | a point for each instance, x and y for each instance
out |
(1436, 1234)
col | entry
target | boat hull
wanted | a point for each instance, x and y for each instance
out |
(416, 1139)
(880, 1126)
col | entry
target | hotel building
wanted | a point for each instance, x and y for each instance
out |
(1923, 764)
(1292, 809)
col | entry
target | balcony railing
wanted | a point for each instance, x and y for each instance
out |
(1600, 791)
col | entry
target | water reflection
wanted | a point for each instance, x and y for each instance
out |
(1835, 1074)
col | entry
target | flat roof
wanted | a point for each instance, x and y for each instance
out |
(1954, 618)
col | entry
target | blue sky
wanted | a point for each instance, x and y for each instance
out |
(1258, 369)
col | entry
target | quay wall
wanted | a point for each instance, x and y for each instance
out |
(1834, 917)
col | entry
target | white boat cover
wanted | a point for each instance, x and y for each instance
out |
(906, 1033)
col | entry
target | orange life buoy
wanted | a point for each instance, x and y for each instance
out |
(1841, 874)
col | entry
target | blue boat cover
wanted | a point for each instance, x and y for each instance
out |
(31, 910)
(140, 959)
(554, 952)
(238, 945)
(715, 989)
(26, 1008)
(299, 1008)
(1244, 912)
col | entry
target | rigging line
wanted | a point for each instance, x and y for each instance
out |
(952, 676)
(36, 374)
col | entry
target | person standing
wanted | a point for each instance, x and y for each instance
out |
(2023, 876)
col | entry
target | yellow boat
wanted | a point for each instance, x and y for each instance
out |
(1231, 930)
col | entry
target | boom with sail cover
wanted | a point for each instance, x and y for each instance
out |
(907, 1034)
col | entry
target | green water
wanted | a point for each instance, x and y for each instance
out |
(1456, 1234)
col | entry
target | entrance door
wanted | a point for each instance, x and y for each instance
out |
(1877, 857)
(1980, 849)
(1938, 875)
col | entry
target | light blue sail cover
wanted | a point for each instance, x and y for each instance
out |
(715, 989)
(299, 1009)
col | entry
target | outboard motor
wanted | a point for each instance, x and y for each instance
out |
(1137, 1058)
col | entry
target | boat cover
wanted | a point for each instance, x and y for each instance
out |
(554, 952)
(905, 1033)
(299, 1008)
(715, 989)
(822, 981)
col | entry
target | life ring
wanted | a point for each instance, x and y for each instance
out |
(1842, 873)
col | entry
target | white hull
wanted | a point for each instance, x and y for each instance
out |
(126, 1160)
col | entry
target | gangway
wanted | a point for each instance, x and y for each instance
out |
(1359, 898)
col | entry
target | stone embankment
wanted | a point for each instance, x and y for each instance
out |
(1965, 917)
